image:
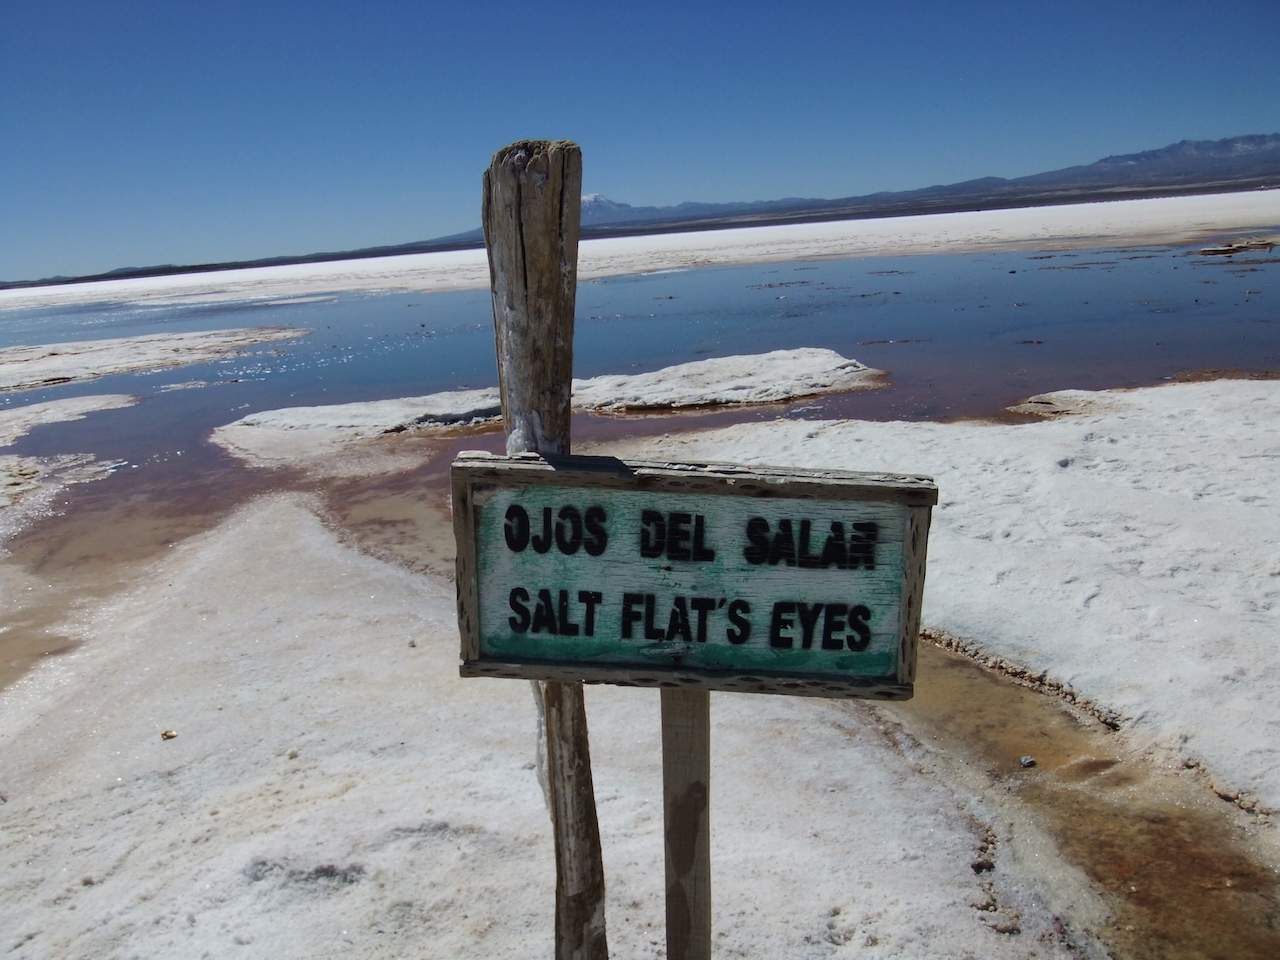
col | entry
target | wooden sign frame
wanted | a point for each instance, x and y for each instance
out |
(478, 477)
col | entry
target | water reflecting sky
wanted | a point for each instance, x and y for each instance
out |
(961, 334)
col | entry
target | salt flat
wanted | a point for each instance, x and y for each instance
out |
(332, 785)
(334, 439)
(42, 365)
(1122, 222)
(1127, 551)
(334, 788)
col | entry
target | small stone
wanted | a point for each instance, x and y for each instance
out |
(1027, 761)
(1006, 923)
(413, 643)
(168, 734)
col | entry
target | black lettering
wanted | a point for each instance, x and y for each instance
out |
(700, 549)
(572, 520)
(783, 546)
(678, 622)
(516, 529)
(544, 617)
(862, 545)
(653, 533)
(805, 559)
(567, 627)
(650, 631)
(519, 597)
(858, 617)
(702, 606)
(629, 612)
(597, 536)
(678, 535)
(758, 534)
(808, 620)
(835, 552)
(779, 622)
(542, 543)
(832, 623)
(740, 632)
(589, 599)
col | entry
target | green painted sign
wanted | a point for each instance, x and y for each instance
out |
(703, 575)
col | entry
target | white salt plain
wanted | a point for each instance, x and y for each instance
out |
(1070, 226)
(332, 439)
(31, 367)
(1128, 552)
(722, 381)
(334, 789)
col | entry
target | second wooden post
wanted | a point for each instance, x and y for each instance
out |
(686, 797)
(532, 210)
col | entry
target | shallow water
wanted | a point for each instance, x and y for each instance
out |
(962, 335)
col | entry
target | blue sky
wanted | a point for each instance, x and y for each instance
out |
(148, 132)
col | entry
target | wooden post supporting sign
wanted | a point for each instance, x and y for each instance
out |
(532, 208)
(686, 803)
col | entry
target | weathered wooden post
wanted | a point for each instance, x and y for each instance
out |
(532, 209)
(686, 799)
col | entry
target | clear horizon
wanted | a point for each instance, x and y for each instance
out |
(153, 135)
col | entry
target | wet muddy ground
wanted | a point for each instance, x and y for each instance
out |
(1183, 874)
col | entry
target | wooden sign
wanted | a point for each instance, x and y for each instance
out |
(712, 576)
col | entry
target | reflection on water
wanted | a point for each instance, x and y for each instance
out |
(963, 335)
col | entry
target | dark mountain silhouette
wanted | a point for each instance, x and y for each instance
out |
(1187, 167)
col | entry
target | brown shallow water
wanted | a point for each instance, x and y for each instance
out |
(1180, 871)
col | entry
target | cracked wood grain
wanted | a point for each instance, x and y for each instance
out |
(531, 212)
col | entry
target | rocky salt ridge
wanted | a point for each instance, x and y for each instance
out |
(728, 381)
(312, 436)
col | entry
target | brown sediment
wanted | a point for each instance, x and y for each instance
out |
(96, 540)
(1224, 373)
(30, 636)
(1180, 872)
(403, 519)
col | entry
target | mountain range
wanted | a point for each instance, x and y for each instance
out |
(1189, 166)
